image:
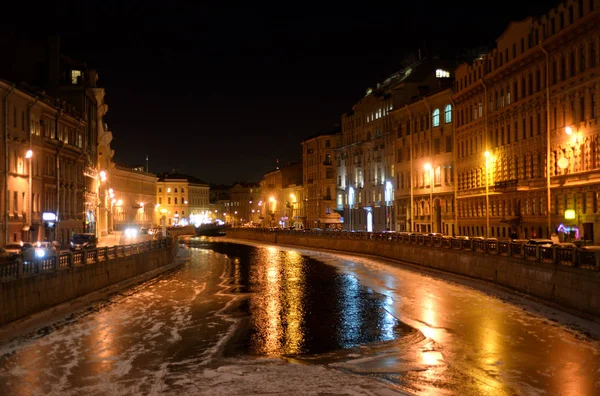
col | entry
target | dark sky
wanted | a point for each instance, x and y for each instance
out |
(222, 92)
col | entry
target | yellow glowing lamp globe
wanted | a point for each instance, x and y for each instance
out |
(563, 163)
(569, 214)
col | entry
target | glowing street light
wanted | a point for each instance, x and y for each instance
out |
(29, 154)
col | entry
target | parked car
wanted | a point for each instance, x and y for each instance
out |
(6, 255)
(39, 251)
(14, 248)
(83, 241)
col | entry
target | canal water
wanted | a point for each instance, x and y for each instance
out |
(254, 319)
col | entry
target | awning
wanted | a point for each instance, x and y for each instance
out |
(25, 228)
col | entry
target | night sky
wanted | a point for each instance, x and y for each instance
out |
(222, 92)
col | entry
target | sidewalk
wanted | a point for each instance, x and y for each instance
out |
(111, 239)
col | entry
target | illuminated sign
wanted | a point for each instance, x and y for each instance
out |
(48, 216)
(569, 214)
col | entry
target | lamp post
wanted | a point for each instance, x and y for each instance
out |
(350, 204)
(29, 155)
(487, 194)
(429, 168)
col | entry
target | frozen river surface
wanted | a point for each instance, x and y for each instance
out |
(244, 318)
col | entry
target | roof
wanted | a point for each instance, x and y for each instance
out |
(181, 176)
(336, 129)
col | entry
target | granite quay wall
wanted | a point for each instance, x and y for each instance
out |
(566, 276)
(27, 287)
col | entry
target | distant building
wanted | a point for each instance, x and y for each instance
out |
(283, 197)
(182, 199)
(318, 169)
(134, 198)
(244, 201)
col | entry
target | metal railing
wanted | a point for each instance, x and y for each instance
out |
(555, 254)
(20, 268)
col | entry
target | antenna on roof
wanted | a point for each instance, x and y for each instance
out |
(146, 163)
(277, 161)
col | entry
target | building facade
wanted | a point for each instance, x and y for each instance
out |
(319, 172)
(244, 199)
(43, 171)
(531, 105)
(132, 198)
(424, 183)
(182, 199)
(366, 158)
(283, 198)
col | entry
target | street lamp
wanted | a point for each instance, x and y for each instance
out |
(487, 194)
(29, 155)
(429, 168)
(350, 204)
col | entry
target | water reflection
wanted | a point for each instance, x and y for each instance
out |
(299, 305)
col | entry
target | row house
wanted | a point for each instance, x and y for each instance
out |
(527, 136)
(182, 199)
(43, 168)
(282, 202)
(424, 183)
(245, 208)
(366, 159)
(319, 173)
(131, 197)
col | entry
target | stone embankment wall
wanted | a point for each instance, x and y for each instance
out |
(568, 286)
(24, 295)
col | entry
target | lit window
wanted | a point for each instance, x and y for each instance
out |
(440, 73)
(448, 114)
(436, 117)
(75, 74)
(169, 189)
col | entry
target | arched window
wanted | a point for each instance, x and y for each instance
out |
(448, 114)
(436, 117)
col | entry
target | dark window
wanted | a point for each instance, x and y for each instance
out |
(561, 20)
(582, 59)
(554, 72)
(582, 108)
(570, 11)
(449, 140)
(593, 108)
(580, 7)
(593, 53)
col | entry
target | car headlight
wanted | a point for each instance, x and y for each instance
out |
(40, 253)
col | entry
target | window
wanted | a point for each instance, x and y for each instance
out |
(448, 144)
(175, 189)
(160, 200)
(169, 200)
(327, 143)
(168, 189)
(593, 109)
(436, 117)
(160, 189)
(182, 190)
(75, 76)
(440, 73)
(448, 114)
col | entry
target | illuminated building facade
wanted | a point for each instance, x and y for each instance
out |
(131, 197)
(48, 180)
(182, 199)
(244, 200)
(531, 103)
(366, 158)
(424, 183)
(319, 172)
(282, 197)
